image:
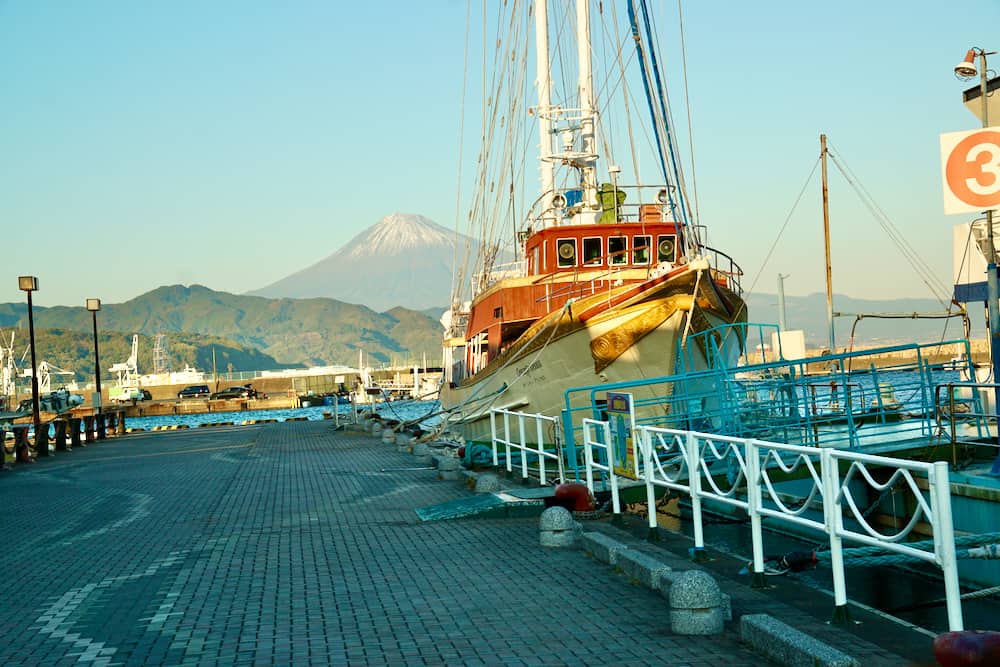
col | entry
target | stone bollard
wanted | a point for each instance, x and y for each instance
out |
(102, 429)
(488, 482)
(73, 430)
(88, 428)
(61, 435)
(388, 437)
(696, 606)
(403, 442)
(376, 428)
(423, 453)
(22, 453)
(557, 528)
(449, 468)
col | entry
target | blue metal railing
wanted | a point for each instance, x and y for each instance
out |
(842, 400)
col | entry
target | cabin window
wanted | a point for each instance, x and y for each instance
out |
(534, 260)
(618, 250)
(666, 248)
(592, 251)
(640, 249)
(565, 252)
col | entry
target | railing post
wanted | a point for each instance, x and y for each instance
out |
(493, 437)
(506, 439)
(523, 443)
(754, 505)
(834, 520)
(556, 433)
(944, 542)
(588, 456)
(693, 457)
(541, 447)
(646, 443)
(570, 443)
(615, 502)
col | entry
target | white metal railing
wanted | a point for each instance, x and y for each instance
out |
(717, 468)
(597, 436)
(521, 442)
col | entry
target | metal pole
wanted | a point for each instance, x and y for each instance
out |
(44, 450)
(826, 244)
(97, 364)
(782, 326)
(992, 290)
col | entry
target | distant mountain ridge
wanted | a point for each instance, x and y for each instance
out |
(315, 331)
(402, 260)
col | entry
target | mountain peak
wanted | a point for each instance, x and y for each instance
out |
(397, 234)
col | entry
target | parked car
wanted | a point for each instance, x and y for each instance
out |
(195, 391)
(232, 392)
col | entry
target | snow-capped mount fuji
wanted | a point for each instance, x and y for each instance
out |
(402, 260)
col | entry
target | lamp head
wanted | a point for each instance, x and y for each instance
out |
(663, 196)
(93, 305)
(967, 68)
(558, 200)
(27, 283)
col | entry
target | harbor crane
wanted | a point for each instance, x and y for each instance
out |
(128, 372)
(45, 373)
(8, 371)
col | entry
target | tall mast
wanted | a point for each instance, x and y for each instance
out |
(586, 85)
(543, 81)
(826, 243)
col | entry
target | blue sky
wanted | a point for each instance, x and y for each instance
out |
(232, 143)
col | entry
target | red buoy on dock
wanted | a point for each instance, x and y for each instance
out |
(581, 497)
(967, 648)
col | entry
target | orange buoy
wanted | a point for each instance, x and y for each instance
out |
(967, 648)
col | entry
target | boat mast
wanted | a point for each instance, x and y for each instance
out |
(587, 121)
(544, 111)
(826, 242)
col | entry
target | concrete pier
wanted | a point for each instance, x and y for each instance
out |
(293, 543)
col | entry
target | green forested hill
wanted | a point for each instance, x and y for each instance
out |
(255, 332)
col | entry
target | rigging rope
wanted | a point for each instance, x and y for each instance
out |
(923, 270)
(784, 225)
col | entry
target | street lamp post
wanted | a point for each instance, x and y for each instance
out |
(94, 305)
(29, 284)
(966, 70)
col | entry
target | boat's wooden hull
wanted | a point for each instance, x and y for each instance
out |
(625, 335)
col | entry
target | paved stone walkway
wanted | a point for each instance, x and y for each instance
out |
(294, 544)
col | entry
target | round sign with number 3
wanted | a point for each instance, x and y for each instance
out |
(971, 166)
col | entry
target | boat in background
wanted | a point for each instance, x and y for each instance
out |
(612, 279)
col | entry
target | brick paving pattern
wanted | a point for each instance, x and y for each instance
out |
(293, 544)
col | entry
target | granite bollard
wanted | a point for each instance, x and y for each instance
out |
(557, 528)
(695, 604)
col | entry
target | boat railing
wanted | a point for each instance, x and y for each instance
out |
(529, 435)
(748, 474)
(962, 412)
(485, 279)
(725, 265)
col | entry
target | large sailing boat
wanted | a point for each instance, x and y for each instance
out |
(612, 280)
